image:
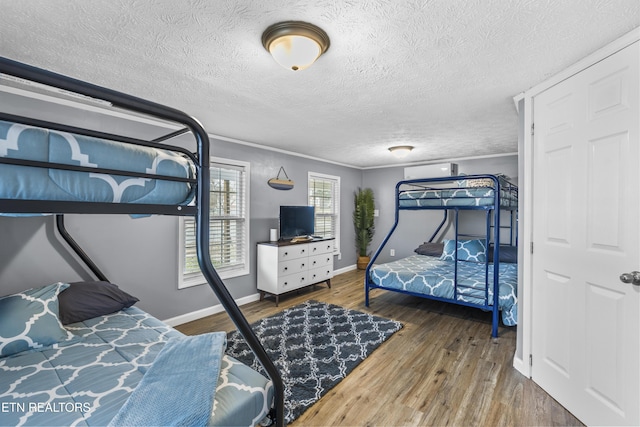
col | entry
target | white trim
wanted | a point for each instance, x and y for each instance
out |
(279, 150)
(597, 56)
(526, 215)
(522, 367)
(345, 269)
(195, 279)
(451, 160)
(209, 311)
(337, 248)
(218, 308)
(171, 126)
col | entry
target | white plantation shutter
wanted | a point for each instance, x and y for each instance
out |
(228, 226)
(324, 195)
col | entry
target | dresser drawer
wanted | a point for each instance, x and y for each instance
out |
(320, 274)
(322, 260)
(321, 248)
(292, 252)
(293, 266)
(293, 281)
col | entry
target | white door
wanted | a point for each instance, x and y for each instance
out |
(586, 206)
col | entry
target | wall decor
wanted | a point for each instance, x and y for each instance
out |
(281, 184)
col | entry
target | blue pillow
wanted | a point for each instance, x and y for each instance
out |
(29, 320)
(468, 250)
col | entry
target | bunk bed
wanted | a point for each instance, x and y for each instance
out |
(462, 269)
(121, 367)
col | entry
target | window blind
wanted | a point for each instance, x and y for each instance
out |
(228, 226)
(324, 195)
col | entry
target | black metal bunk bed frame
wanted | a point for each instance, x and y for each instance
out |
(493, 222)
(199, 210)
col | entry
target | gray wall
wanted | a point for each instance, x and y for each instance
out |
(141, 255)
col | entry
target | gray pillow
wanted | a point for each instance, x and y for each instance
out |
(431, 249)
(507, 254)
(29, 320)
(85, 300)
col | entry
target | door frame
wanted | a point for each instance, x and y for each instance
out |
(524, 106)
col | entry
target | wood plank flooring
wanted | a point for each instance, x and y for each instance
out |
(441, 369)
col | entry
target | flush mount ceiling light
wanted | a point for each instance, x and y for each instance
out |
(294, 44)
(400, 151)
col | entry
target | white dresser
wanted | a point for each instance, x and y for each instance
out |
(286, 266)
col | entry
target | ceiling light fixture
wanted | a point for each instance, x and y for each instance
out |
(400, 151)
(294, 44)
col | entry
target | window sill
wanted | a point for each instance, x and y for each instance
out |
(198, 279)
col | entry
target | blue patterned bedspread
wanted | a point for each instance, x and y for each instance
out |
(461, 192)
(426, 275)
(18, 141)
(87, 380)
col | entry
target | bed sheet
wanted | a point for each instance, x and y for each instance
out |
(86, 380)
(427, 275)
(23, 142)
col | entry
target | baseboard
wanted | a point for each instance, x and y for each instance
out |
(199, 314)
(522, 367)
(345, 269)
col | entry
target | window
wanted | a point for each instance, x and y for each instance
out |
(324, 195)
(228, 227)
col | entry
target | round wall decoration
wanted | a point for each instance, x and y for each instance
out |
(281, 184)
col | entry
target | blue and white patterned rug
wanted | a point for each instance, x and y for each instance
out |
(314, 345)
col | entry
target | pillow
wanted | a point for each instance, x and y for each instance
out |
(468, 250)
(85, 300)
(431, 249)
(29, 320)
(507, 254)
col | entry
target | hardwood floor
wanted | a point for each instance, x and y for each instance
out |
(442, 368)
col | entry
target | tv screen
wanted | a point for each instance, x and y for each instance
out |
(296, 221)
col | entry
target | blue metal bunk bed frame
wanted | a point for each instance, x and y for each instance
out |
(493, 222)
(200, 210)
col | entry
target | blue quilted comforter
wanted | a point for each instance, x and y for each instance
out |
(89, 378)
(22, 142)
(426, 275)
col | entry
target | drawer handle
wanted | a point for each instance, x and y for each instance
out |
(286, 253)
(285, 283)
(314, 262)
(286, 268)
(302, 251)
(303, 264)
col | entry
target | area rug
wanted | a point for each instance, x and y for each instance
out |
(314, 345)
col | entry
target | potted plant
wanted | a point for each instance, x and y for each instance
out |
(363, 224)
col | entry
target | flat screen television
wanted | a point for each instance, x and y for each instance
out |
(296, 221)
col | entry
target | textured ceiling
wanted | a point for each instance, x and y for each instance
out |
(436, 74)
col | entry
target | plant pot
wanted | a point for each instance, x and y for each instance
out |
(362, 263)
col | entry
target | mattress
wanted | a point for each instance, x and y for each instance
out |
(86, 380)
(23, 142)
(462, 192)
(430, 276)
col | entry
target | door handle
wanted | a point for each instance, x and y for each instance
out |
(633, 278)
